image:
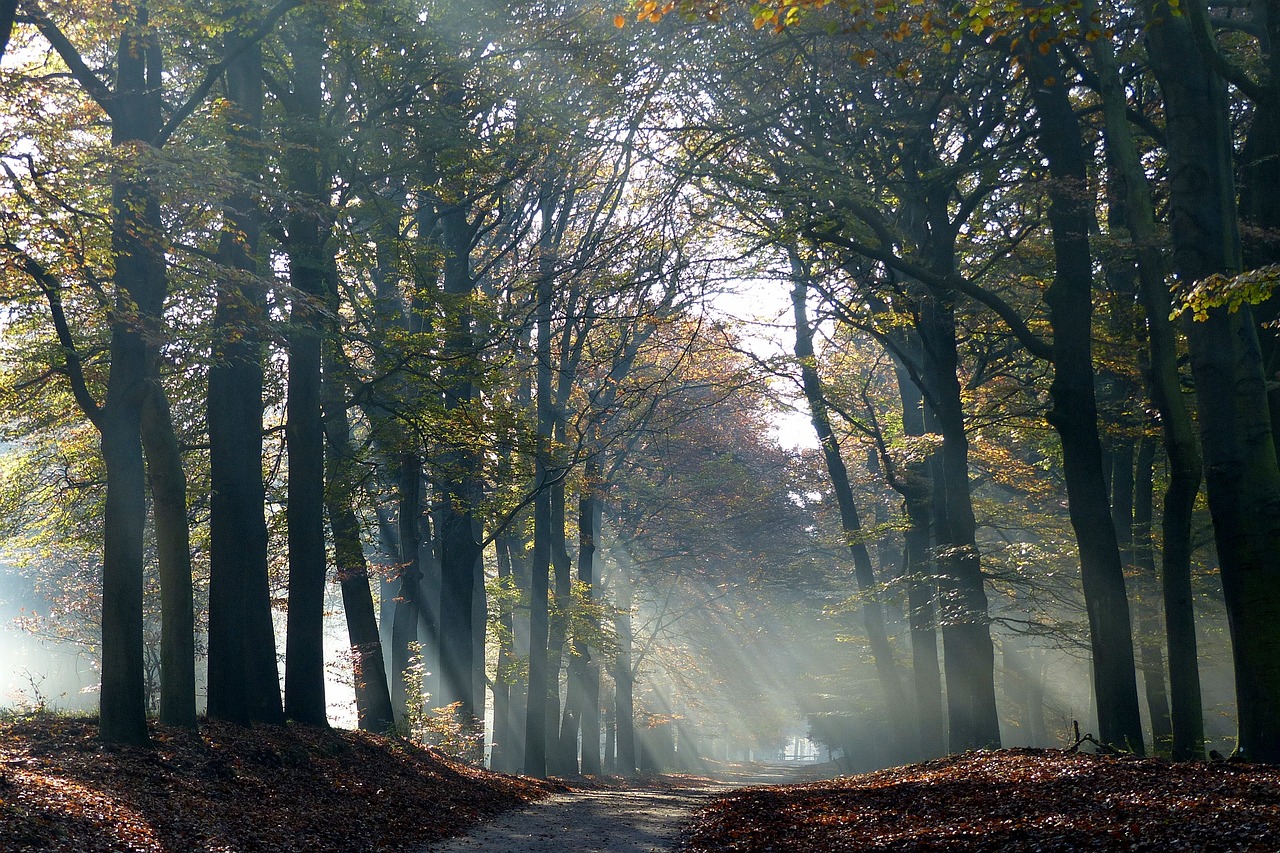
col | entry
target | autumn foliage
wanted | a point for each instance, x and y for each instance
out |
(233, 788)
(1011, 800)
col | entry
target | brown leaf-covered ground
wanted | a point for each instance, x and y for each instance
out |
(1011, 800)
(234, 789)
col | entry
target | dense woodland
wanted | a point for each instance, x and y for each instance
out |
(468, 327)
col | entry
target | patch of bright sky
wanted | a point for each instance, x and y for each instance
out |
(762, 309)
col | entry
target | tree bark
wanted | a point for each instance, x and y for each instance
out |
(895, 697)
(1151, 651)
(243, 679)
(404, 620)
(918, 571)
(460, 548)
(969, 660)
(1074, 414)
(624, 683)
(1165, 383)
(304, 699)
(1241, 474)
(586, 672)
(168, 482)
(140, 281)
(374, 712)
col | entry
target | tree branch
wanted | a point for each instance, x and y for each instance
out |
(74, 369)
(83, 74)
(211, 76)
(1034, 344)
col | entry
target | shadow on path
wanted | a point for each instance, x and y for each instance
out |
(626, 821)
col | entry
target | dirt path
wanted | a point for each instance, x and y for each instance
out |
(633, 820)
(626, 821)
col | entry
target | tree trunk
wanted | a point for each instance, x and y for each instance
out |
(1151, 651)
(373, 697)
(503, 751)
(624, 684)
(168, 482)
(1074, 414)
(895, 697)
(585, 669)
(140, 281)
(243, 679)
(1166, 392)
(304, 700)
(459, 547)
(535, 735)
(404, 620)
(969, 660)
(1241, 474)
(558, 761)
(918, 571)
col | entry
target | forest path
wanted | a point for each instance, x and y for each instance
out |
(633, 820)
(642, 819)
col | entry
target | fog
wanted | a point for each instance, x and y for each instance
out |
(39, 672)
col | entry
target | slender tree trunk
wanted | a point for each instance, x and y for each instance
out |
(535, 757)
(588, 667)
(895, 697)
(624, 684)
(558, 761)
(503, 749)
(1074, 414)
(1151, 651)
(969, 660)
(373, 697)
(404, 620)
(168, 482)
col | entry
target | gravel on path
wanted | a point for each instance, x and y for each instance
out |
(608, 821)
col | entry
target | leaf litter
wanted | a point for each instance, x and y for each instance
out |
(1007, 800)
(230, 788)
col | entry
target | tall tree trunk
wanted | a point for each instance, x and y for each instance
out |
(1241, 474)
(918, 571)
(535, 758)
(559, 762)
(404, 620)
(501, 755)
(168, 482)
(969, 660)
(624, 713)
(584, 668)
(1258, 176)
(895, 696)
(304, 700)
(140, 281)
(1166, 392)
(373, 697)
(1151, 651)
(1074, 414)
(243, 679)
(459, 546)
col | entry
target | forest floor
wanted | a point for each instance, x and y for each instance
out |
(234, 789)
(1008, 800)
(284, 789)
